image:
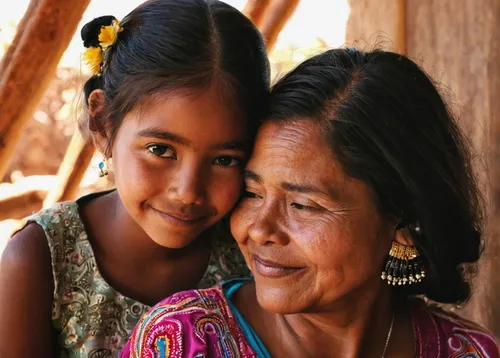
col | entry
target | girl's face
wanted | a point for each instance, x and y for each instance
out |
(178, 164)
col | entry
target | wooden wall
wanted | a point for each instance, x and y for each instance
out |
(458, 43)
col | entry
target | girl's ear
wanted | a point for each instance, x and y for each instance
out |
(97, 121)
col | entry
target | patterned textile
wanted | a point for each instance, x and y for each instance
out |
(200, 323)
(90, 318)
(446, 335)
(197, 323)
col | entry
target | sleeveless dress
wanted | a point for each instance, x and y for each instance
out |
(90, 318)
(206, 324)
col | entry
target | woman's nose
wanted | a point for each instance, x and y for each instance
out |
(266, 227)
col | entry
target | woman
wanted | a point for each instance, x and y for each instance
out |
(359, 177)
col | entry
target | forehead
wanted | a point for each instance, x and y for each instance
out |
(295, 150)
(202, 116)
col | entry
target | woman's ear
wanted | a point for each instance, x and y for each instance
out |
(403, 235)
(97, 120)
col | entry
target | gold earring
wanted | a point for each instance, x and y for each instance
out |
(404, 266)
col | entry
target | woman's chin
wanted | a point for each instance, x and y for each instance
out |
(281, 301)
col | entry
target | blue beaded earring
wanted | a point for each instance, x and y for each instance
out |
(102, 168)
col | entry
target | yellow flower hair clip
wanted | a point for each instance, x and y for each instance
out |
(98, 36)
(109, 34)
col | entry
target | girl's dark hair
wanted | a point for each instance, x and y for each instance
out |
(187, 45)
(389, 127)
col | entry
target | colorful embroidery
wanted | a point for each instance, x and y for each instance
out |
(89, 317)
(204, 323)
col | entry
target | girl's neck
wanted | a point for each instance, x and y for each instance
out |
(108, 218)
(134, 264)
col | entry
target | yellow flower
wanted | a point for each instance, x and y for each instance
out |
(93, 58)
(109, 34)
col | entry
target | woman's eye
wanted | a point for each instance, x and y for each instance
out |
(160, 150)
(249, 194)
(301, 206)
(226, 161)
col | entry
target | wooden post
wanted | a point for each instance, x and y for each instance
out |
(255, 9)
(459, 46)
(378, 23)
(275, 18)
(28, 15)
(40, 45)
(71, 171)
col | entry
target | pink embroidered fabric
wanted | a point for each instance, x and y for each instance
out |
(200, 323)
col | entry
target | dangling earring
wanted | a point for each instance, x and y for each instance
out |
(103, 171)
(404, 265)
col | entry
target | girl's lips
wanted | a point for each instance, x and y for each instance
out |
(180, 219)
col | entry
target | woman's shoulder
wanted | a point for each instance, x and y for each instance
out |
(454, 333)
(189, 323)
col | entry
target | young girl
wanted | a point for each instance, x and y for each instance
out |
(175, 101)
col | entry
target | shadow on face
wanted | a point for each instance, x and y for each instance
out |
(178, 164)
(311, 234)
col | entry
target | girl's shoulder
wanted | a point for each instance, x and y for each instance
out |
(226, 262)
(62, 219)
(455, 336)
(189, 324)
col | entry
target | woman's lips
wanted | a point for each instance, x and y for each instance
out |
(268, 268)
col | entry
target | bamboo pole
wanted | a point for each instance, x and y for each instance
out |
(255, 10)
(72, 170)
(28, 15)
(274, 20)
(39, 46)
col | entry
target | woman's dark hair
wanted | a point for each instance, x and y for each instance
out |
(187, 45)
(389, 127)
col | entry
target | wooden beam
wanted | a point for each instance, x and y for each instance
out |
(39, 46)
(380, 23)
(274, 20)
(255, 10)
(71, 171)
(24, 196)
(28, 15)
(459, 47)
(22, 204)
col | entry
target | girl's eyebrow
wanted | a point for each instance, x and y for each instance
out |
(154, 132)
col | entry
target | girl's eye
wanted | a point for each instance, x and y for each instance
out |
(161, 150)
(226, 161)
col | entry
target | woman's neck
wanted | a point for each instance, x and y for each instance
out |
(355, 326)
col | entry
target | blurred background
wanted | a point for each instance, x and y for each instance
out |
(43, 159)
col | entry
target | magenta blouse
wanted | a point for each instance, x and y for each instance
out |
(205, 323)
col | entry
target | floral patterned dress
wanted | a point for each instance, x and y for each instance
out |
(90, 318)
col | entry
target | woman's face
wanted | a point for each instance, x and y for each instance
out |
(310, 234)
(178, 164)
